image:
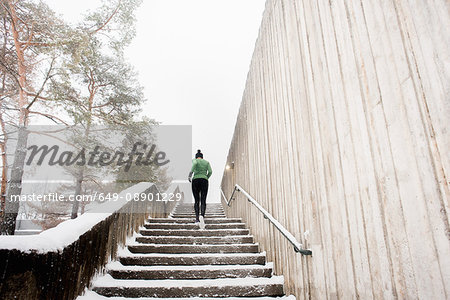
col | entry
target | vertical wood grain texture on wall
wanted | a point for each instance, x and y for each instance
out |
(343, 136)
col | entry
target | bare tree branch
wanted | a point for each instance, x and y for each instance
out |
(51, 117)
(56, 138)
(109, 19)
(47, 77)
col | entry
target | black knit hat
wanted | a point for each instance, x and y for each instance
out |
(199, 154)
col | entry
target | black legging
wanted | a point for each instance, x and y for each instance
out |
(200, 191)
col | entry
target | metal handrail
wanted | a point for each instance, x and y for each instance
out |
(298, 247)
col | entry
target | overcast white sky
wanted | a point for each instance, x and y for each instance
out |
(192, 57)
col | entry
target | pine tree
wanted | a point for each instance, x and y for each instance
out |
(107, 91)
(32, 37)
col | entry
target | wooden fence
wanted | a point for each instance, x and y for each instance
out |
(343, 135)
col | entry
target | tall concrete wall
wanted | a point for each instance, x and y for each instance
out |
(343, 135)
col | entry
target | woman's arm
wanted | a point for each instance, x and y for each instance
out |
(209, 170)
(194, 163)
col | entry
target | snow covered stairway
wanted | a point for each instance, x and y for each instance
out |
(173, 258)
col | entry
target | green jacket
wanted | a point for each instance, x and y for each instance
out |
(201, 168)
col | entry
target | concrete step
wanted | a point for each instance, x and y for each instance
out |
(91, 295)
(191, 211)
(217, 212)
(221, 214)
(199, 240)
(187, 204)
(191, 205)
(165, 248)
(187, 212)
(187, 220)
(192, 216)
(157, 259)
(229, 287)
(187, 232)
(194, 226)
(119, 271)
